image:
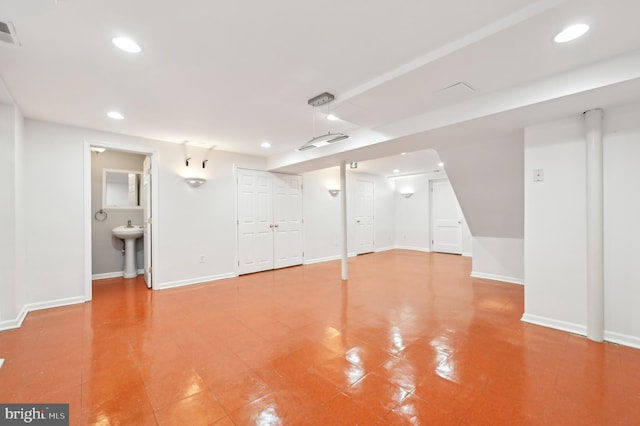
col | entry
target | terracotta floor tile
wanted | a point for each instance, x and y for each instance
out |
(271, 409)
(342, 410)
(377, 394)
(409, 339)
(165, 390)
(240, 390)
(199, 409)
(414, 411)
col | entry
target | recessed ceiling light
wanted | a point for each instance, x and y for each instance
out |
(441, 164)
(332, 117)
(403, 153)
(126, 44)
(396, 170)
(115, 115)
(265, 144)
(571, 33)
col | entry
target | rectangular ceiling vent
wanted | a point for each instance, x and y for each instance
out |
(8, 33)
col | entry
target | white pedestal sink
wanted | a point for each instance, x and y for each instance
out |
(129, 235)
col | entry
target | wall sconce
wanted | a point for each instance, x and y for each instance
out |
(334, 192)
(194, 182)
(406, 194)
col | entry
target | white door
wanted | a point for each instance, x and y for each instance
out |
(364, 217)
(287, 215)
(255, 221)
(146, 209)
(446, 219)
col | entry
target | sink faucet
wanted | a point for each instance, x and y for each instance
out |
(129, 225)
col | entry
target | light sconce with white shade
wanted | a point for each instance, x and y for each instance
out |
(194, 182)
(406, 194)
(334, 192)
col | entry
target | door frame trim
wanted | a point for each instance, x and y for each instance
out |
(88, 215)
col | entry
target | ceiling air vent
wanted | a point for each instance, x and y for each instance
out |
(8, 33)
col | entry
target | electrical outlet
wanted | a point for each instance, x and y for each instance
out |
(538, 175)
(202, 258)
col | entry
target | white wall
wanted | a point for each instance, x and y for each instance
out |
(190, 221)
(500, 259)
(321, 213)
(555, 225)
(413, 215)
(486, 175)
(412, 224)
(622, 228)
(7, 213)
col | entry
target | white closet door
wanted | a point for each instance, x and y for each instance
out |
(365, 229)
(287, 212)
(255, 221)
(446, 219)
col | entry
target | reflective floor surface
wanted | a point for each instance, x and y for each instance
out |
(410, 339)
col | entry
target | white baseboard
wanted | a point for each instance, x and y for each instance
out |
(512, 280)
(321, 259)
(107, 275)
(414, 248)
(30, 307)
(622, 339)
(469, 254)
(609, 336)
(557, 324)
(117, 274)
(199, 280)
(327, 259)
(378, 250)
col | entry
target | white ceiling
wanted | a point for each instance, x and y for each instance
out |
(234, 74)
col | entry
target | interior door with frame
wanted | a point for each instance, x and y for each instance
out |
(446, 219)
(287, 215)
(255, 221)
(146, 209)
(365, 221)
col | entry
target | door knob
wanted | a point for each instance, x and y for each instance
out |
(271, 226)
(358, 221)
(276, 225)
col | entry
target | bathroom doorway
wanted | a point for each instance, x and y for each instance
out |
(120, 189)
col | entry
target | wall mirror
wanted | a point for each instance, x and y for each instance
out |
(121, 189)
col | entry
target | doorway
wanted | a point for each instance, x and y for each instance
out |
(269, 221)
(446, 218)
(365, 220)
(148, 202)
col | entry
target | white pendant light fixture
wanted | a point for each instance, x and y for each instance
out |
(329, 137)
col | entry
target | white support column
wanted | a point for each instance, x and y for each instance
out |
(343, 218)
(595, 225)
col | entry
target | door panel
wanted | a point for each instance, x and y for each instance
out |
(269, 221)
(255, 232)
(146, 214)
(446, 219)
(365, 224)
(287, 210)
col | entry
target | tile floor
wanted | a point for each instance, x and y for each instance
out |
(410, 339)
